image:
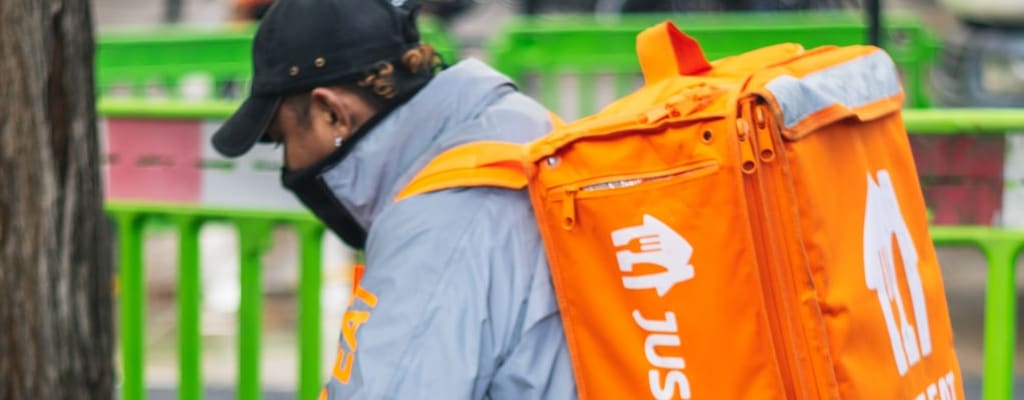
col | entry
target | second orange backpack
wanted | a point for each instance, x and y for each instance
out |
(749, 228)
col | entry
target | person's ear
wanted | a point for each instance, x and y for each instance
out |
(333, 110)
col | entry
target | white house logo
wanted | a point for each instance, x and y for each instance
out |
(882, 221)
(665, 248)
(659, 245)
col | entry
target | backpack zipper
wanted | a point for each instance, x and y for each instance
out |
(595, 187)
(757, 151)
(793, 276)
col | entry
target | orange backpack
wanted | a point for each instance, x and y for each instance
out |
(749, 228)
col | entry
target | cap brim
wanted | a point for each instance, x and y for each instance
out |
(245, 127)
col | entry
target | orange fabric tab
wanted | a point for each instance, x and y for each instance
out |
(498, 164)
(686, 57)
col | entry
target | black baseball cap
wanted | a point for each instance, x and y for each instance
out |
(302, 44)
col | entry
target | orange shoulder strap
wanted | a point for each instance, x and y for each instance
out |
(498, 164)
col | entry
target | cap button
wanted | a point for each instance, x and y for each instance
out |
(294, 70)
(319, 62)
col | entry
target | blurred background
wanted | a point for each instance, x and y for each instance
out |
(229, 289)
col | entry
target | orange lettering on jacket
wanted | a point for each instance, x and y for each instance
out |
(350, 324)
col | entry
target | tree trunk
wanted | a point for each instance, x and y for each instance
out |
(56, 311)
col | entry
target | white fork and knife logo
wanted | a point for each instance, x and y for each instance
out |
(659, 245)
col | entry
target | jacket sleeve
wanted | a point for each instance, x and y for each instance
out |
(416, 327)
(538, 366)
(456, 303)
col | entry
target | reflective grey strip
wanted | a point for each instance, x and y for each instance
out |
(853, 84)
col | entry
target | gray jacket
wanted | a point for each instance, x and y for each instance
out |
(462, 301)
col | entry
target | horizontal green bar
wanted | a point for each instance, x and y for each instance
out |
(964, 120)
(927, 121)
(732, 21)
(167, 109)
(149, 34)
(941, 235)
(969, 235)
(204, 213)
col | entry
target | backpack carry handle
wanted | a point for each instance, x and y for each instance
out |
(657, 63)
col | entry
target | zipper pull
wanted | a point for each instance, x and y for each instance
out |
(569, 209)
(765, 141)
(749, 164)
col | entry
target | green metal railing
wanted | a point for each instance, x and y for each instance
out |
(254, 229)
(1000, 247)
(536, 52)
(137, 59)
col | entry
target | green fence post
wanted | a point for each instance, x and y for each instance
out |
(1000, 248)
(1000, 317)
(132, 305)
(253, 239)
(190, 370)
(310, 235)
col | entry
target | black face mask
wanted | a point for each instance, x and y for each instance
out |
(309, 186)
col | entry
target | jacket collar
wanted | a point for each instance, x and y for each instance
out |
(439, 117)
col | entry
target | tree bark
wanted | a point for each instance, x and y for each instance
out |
(56, 310)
